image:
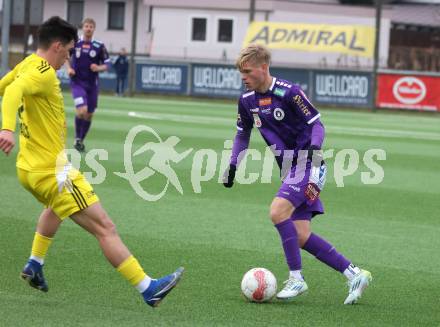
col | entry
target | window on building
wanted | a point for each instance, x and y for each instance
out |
(116, 15)
(75, 12)
(198, 29)
(225, 30)
(18, 12)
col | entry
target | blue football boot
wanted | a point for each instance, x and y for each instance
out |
(33, 274)
(159, 288)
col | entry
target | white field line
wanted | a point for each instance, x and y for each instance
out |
(213, 120)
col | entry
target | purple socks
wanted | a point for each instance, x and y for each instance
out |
(78, 127)
(289, 239)
(85, 128)
(81, 128)
(326, 253)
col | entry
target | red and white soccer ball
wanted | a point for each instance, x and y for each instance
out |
(259, 285)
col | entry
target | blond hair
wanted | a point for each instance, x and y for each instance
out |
(89, 21)
(253, 53)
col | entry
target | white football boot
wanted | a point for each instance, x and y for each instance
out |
(357, 285)
(293, 287)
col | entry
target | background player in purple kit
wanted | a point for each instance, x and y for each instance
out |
(89, 57)
(287, 120)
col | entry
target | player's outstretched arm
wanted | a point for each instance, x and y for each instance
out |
(241, 143)
(314, 153)
(6, 80)
(7, 141)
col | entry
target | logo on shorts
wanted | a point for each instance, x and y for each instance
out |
(78, 101)
(312, 192)
(295, 188)
(90, 194)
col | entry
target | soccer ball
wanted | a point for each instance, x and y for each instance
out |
(259, 285)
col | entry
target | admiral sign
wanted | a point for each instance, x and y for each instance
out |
(216, 81)
(409, 92)
(355, 40)
(342, 88)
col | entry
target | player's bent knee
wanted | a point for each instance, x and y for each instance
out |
(280, 210)
(302, 238)
(278, 214)
(303, 232)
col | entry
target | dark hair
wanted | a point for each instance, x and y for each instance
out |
(56, 29)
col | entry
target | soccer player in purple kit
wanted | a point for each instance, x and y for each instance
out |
(89, 57)
(287, 120)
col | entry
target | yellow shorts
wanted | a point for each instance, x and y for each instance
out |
(65, 197)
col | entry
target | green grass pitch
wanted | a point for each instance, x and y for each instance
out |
(391, 229)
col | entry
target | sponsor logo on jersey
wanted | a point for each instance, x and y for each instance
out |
(278, 114)
(257, 120)
(266, 111)
(279, 92)
(265, 102)
(301, 105)
(255, 109)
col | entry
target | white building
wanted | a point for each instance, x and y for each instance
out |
(212, 29)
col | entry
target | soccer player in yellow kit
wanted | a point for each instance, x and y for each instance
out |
(33, 91)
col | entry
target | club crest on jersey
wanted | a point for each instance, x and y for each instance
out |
(278, 114)
(257, 121)
(265, 102)
(92, 53)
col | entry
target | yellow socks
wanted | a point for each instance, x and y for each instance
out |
(40, 245)
(132, 271)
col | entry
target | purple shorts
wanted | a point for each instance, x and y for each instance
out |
(84, 96)
(298, 190)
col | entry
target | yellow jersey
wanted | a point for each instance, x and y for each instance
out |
(32, 90)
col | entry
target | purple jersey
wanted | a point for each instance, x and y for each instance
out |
(83, 55)
(283, 115)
